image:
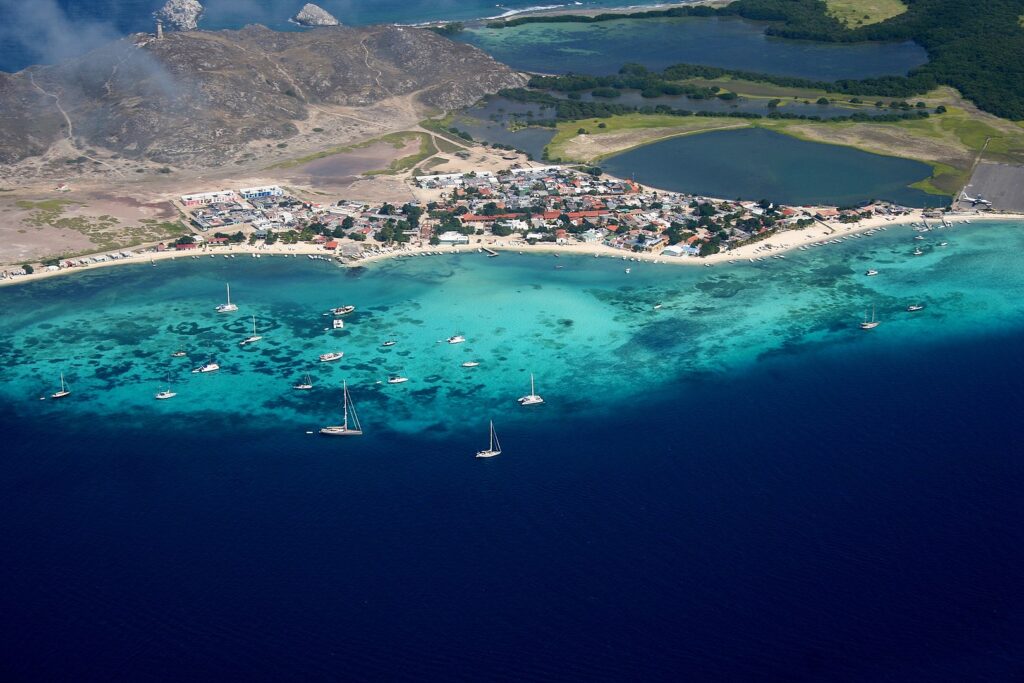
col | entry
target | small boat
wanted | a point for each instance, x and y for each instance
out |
(657, 307)
(470, 364)
(178, 354)
(338, 324)
(209, 367)
(328, 357)
(344, 429)
(918, 237)
(915, 307)
(254, 338)
(494, 448)
(65, 390)
(343, 310)
(917, 251)
(532, 398)
(228, 307)
(389, 342)
(628, 270)
(166, 394)
(397, 379)
(870, 272)
(943, 244)
(305, 384)
(870, 324)
(456, 339)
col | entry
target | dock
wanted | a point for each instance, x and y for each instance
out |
(490, 252)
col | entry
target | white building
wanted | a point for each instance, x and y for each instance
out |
(452, 237)
(203, 198)
(261, 192)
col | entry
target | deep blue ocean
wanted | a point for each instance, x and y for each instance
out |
(741, 486)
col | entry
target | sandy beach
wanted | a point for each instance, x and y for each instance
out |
(776, 244)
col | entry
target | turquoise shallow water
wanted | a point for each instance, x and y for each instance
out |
(587, 330)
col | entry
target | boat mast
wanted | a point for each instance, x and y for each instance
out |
(532, 391)
(228, 285)
(345, 391)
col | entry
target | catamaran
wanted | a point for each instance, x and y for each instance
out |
(870, 324)
(333, 355)
(344, 429)
(65, 390)
(228, 307)
(494, 448)
(305, 384)
(532, 398)
(254, 338)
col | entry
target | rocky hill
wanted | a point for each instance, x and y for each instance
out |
(193, 98)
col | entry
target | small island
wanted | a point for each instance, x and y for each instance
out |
(314, 15)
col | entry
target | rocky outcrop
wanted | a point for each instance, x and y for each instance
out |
(180, 15)
(314, 15)
(197, 98)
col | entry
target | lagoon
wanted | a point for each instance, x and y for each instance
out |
(602, 48)
(754, 163)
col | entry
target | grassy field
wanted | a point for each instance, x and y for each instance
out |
(625, 132)
(396, 140)
(105, 232)
(399, 140)
(854, 13)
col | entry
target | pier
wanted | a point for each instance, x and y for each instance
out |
(490, 252)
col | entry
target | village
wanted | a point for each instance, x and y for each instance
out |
(550, 204)
(547, 205)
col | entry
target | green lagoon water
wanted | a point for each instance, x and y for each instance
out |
(587, 330)
(603, 47)
(754, 163)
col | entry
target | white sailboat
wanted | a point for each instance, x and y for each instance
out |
(344, 429)
(494, 448)
(65, 390)
(304, 385)
(870, 324)
(397, 379)
(254, 338)
(228, 307)
(166, 393)
(532, 398)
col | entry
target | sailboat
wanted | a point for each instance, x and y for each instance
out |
(254, 338)
(532, 398)
(304, 385)
(167, 393)
(65, 390)
(495, 447)
(343, 429)
(228, 307)
(870, 324)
